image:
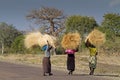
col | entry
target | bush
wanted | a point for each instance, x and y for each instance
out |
(60, 51)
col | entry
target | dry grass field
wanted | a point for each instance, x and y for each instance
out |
(108, 65)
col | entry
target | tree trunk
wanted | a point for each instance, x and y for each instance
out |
(2, 47)
(52, 27)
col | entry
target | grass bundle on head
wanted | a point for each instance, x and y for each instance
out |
(31, 39)
(96, 37)
(71, 41)
(51, 39)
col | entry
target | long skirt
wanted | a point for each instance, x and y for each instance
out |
(46, 65)
(92, 61)
(71, 63)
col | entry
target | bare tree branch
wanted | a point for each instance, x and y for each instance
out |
(49, 16)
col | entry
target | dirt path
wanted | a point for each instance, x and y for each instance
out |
(9, 71)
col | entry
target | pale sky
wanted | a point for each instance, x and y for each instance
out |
(15, 11)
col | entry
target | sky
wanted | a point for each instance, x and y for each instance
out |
(14, 11)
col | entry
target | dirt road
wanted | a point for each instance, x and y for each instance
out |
(9, 71)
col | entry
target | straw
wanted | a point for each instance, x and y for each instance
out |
(71, 41)
(31, 39)
(96, 37)
(43, 41)
(36, 38)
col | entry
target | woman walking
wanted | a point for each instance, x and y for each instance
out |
(70, 60)
(95, 39)
(70, 43)
(37, 38)
(92, 57)
(46, 60)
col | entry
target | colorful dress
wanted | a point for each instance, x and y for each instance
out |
(92, 57)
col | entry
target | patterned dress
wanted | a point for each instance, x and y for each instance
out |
(92, 57)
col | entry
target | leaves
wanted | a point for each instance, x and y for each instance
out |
(111, 23)
(8, 33)
(82, 24)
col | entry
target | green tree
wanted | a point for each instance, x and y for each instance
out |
(7, 35)
(50, 18)
(18, 44)
(111, 25)
(82, 24)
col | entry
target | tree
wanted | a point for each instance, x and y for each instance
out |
(7, 35)
(82, 24)
(111, 24)
(18, 44)
(50, 18)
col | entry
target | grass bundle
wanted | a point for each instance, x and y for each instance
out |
(31, 39)
(71, 41)
(43, 41)
(36, 38)
(96, 37)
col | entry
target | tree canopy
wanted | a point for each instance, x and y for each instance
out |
(82, 24)
(111, 25)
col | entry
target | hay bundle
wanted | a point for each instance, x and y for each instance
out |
(71, 41)
(96, 37)
(31, 39)
(43, 41)
(36, 38)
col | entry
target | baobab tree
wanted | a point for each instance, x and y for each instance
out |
(50, 18)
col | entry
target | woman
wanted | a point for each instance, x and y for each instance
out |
(46, 60)
(92, 58)
(70, 60)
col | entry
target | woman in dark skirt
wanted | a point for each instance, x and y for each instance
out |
(46, 60)
(70, 61)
